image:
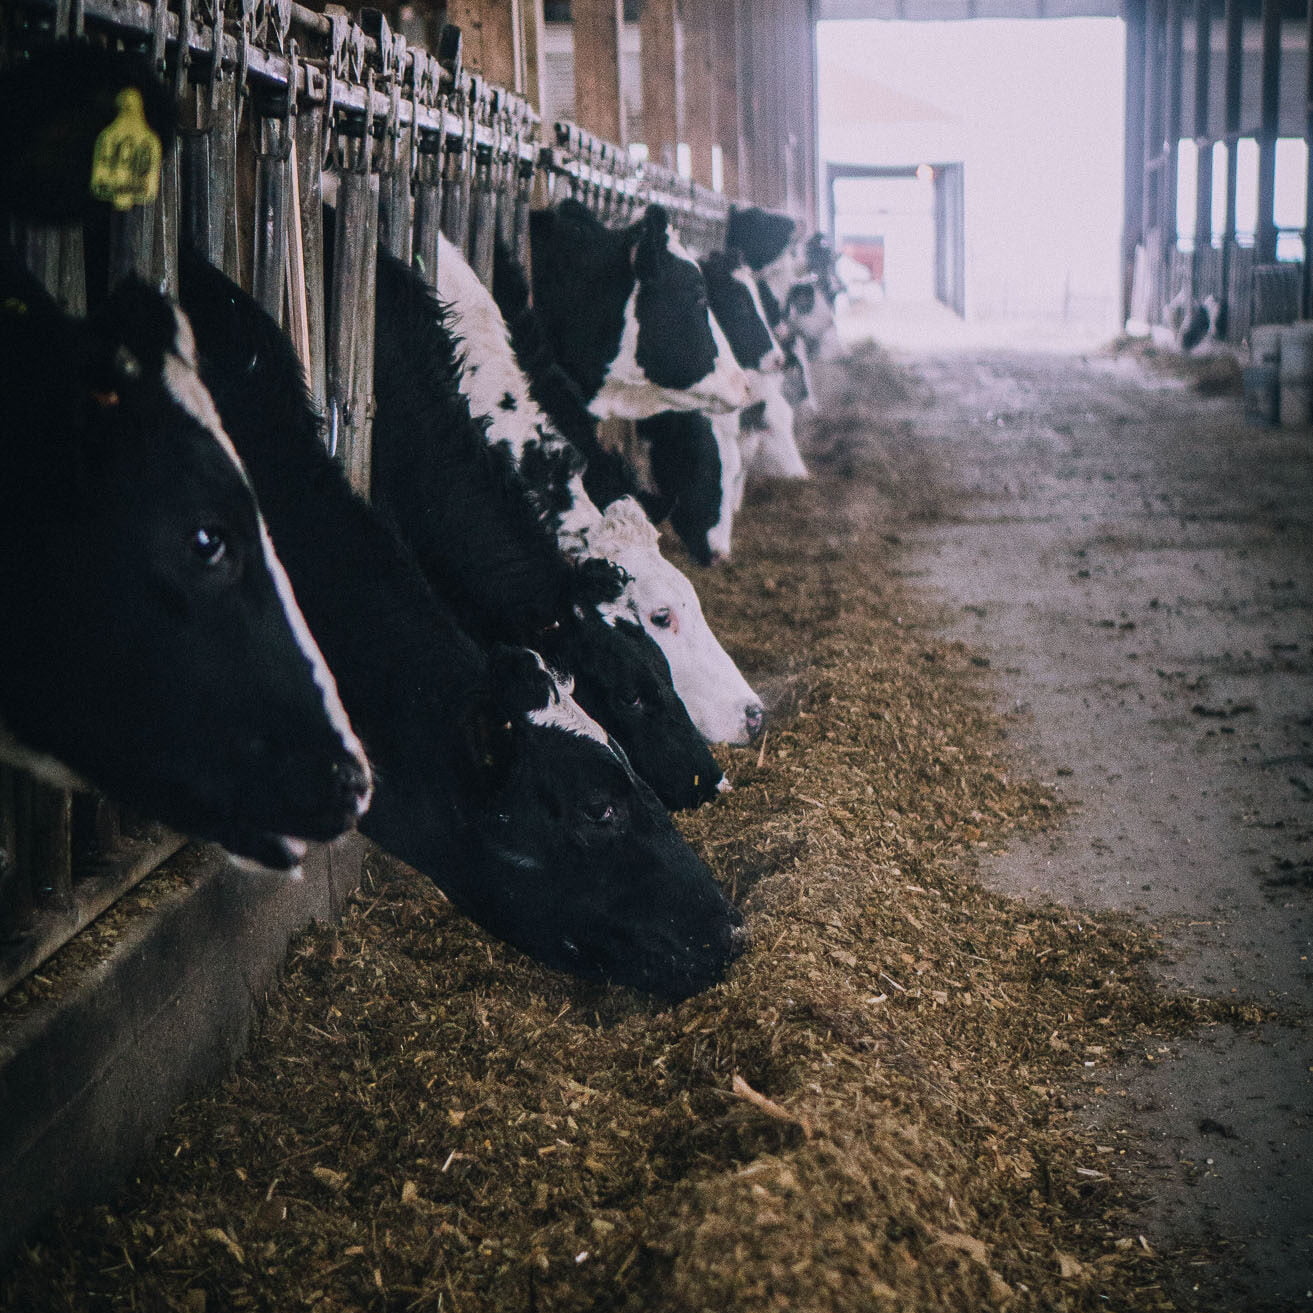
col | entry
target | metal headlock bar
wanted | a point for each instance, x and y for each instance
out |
(272, 98)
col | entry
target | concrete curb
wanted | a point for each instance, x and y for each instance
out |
(87, 1081)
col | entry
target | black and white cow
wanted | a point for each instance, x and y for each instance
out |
(489, 778)
(461, 505)
(626, 314)
(517, 363)
(152, 645)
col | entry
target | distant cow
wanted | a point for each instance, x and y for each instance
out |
(152, 646)
(489, 779)
(626, 313)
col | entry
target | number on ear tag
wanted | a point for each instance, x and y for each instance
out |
(125, 168)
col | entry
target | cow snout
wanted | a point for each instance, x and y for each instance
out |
(754, 717)
(351, 785)
(739, 939)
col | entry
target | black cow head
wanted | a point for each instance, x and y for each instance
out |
(762, 235)
(622, 680)
(153, 646)
(582, 867)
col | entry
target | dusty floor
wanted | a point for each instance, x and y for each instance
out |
(1137, 565)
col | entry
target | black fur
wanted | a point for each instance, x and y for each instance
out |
(762, 235)
(686, 467)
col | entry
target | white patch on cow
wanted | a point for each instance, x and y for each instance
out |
(319, 670)
(491, 372)
(562, 711)
(772, 452)
(773, 361)
(185, 387)
(480, 324)
(718, 699)
(732, 479)
(627, 393)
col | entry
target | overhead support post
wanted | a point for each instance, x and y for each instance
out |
(728, 130)
(1203, 59)
(1171, 139)
(1306, 298)
(1265, 238)
(700, 101)
(663, 81)
(493, 35)
(1235, 32)
(599, 101)
(1134, 155)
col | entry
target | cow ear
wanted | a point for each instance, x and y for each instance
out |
(653, 239)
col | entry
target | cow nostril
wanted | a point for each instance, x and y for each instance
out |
(754, 718)
(351, 781)
(739, 939)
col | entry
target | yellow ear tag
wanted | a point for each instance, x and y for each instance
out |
(125, 168)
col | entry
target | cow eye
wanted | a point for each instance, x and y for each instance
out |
(634, 699)
(599, 812)
(661, 618)
(209, 544)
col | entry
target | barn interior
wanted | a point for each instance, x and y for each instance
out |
(1025, 849)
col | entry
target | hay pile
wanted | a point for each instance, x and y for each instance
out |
(869, 1115)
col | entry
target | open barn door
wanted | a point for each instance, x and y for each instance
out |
(950, 237)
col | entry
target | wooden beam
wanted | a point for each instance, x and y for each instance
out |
(1265, 239)
(1235, 53)
(663, 89)
(533, 52)
(1307, 302)
(728, 128)
(1171, 124)
(1134, 155)
(492, 38)
(599, 102)
(1203, 59)
(699, 87)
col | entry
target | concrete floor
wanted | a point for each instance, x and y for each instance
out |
(1137, 565)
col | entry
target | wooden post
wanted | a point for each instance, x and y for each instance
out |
(1307, 295)
(492, 38)
(532, 11)
(1153, 104)
(728, 127)
(1203, 58)
(700, 129)
(1133, 160)
(599, 103)
(1171, 127)
(663, 99)
(1265, 239)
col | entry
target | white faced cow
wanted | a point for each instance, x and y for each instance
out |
(626, 313)
(657, 595)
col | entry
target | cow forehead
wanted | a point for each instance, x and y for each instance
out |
(561, 711)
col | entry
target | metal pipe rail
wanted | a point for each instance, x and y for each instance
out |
(607, 179)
